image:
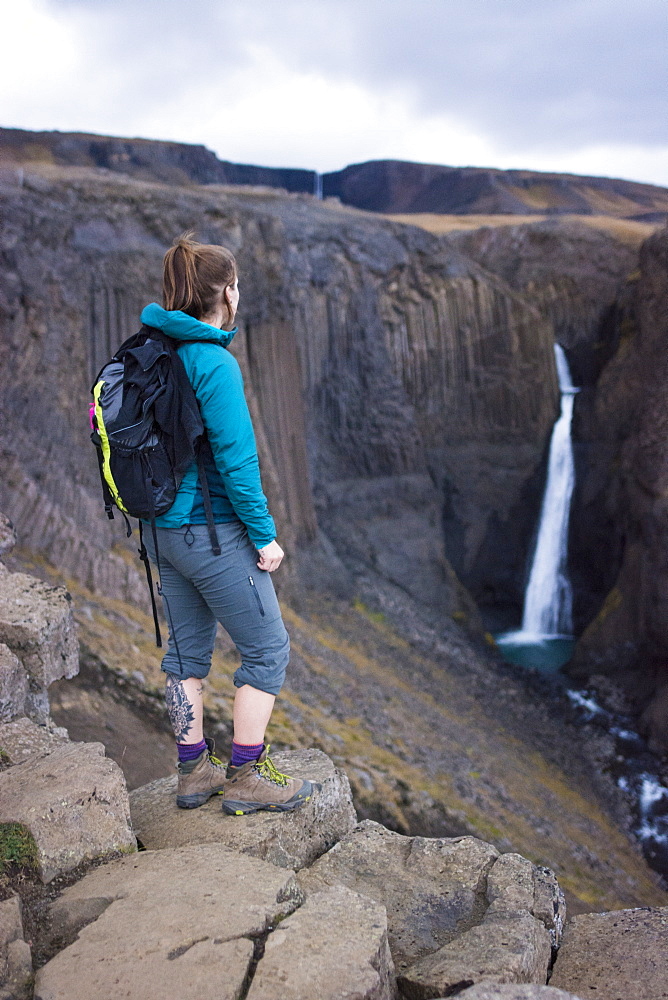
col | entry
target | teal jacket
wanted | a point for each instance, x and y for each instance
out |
(234, 476)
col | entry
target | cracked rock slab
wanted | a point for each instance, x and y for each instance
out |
(514, 991)
(334, 947)
(180, 921)
(74, 803)
(515, 884)
(622, 953)
(290, 840)
(506, 947)
(13, 685)
(22, 739)
(36, 623)
(432, 888)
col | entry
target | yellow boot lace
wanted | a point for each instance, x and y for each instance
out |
(268, 770)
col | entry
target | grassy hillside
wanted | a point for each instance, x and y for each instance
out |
(627, 231)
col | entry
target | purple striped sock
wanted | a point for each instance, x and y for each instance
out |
(189, 751)
(243, 752)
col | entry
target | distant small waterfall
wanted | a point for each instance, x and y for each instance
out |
(548, 600)
(317, 186)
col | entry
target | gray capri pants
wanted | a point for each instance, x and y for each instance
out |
(200, 589)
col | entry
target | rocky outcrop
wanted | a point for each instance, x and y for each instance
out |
(185, 918)
(15, 956)
(178, 914)
(514, 991)
(512, 947)
(431, 889)
(291, 841)
(377, 916)
(68, 799)
(13, 685)
(457, 911)
(617, 954)
(356, 963)
(625, 486)
(396, 186)
(38, 644)
(74, 804)
(22, 739)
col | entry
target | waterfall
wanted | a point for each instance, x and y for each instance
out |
(548, 601)
(545, 641)
(317, 186)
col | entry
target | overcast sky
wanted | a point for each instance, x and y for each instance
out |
(567, 85)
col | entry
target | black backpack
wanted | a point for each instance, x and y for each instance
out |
(148, 430)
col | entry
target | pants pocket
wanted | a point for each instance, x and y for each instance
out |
(256, 595)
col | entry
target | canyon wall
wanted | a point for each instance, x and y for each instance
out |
(607, 300)
(628, 481)
(575, 274)
(397, 388)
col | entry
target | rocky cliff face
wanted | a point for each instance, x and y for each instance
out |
(398, 186)
(378, 185)
(628, 482)
(575, 275)
(397, 387)
(177, 163)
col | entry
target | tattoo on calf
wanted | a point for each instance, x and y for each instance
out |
(180, 710)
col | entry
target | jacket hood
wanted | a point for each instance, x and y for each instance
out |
(181, 326)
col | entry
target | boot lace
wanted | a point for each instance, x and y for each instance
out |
(268, 770)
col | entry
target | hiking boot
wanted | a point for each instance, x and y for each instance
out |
(258, 785)
(199, 779)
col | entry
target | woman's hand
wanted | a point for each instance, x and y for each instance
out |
(270, 556)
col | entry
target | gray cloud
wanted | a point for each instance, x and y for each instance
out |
(527, 74)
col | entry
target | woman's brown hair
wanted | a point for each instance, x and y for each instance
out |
(196, 276)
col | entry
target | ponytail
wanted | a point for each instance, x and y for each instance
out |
(196, 276)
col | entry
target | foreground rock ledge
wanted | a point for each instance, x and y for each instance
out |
(22, 739)
(514, 991)
(13, 685)
(510, 947)
(36, 624)
(290, 840)
(178, 924)
(432, 888)
(15, 957)
(457, 911)
(74, 803)
(623, 953)
(334, 946)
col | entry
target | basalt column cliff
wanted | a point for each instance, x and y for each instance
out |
(396, 386)
(629, 427)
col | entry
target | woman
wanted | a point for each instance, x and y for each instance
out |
(201, 295)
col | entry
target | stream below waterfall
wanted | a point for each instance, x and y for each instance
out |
(545, 641)
(636, 772)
